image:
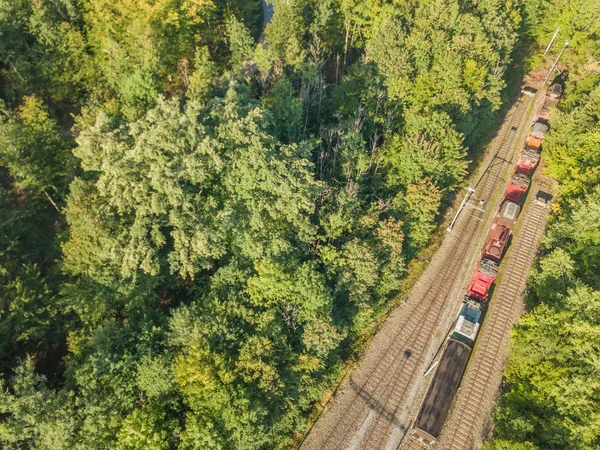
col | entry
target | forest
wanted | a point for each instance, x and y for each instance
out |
(551, 396)
(202, 217)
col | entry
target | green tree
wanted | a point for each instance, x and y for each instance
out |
(36, 152)
(225, 182)
(203, 77)
(241, 43)
(34, 415)
(418, 207)
(431, 149)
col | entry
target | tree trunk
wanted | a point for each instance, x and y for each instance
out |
(51, 201)
(346, 45)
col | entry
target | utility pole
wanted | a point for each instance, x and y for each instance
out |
(555, 62)
(551, 41)
(470, 191)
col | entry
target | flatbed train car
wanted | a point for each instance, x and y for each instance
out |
(499, 236)
(438, 399)
(453, 362)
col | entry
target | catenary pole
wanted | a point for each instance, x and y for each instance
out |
(555, 62)
(551, 41)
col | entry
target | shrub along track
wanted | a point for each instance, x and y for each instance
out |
(366, 412)
(474, 399)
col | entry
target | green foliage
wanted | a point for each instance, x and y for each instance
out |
(196, 229)
(286, 109)
(35, 151)
(281, 334)
(136, 44)
(202, 79)
(284, 33)
(431, 149)
(191, 187)
(240, 41)
(43, 49)
(571, 149)
(418, 207)
(145, 428)
(33, 414)
(500, 444)
(35, 155)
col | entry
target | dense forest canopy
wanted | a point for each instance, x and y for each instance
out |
(552, 394)
(200, 218)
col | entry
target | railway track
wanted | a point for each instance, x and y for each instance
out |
(368, 413)
(464, 429)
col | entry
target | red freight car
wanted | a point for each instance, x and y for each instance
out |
(517, 187)
(482, 280)
(498, 239)
(528, 161)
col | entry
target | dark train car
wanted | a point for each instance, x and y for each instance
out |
(553, 95)
(517, 187)
(482, 280)
(438, 399)
(528, 162)
(497, 241)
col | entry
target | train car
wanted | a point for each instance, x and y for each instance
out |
(442, 389)
(552, 98)
(497, 241)
(544, 116)
(536, 136)
(539, 130)
(435, 407)
(468, 321)
(528, 162)
(508, 214)
(482, 280)
(534, 143)
(553, 95)
(517, 187)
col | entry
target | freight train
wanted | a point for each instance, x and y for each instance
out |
(438, 399)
